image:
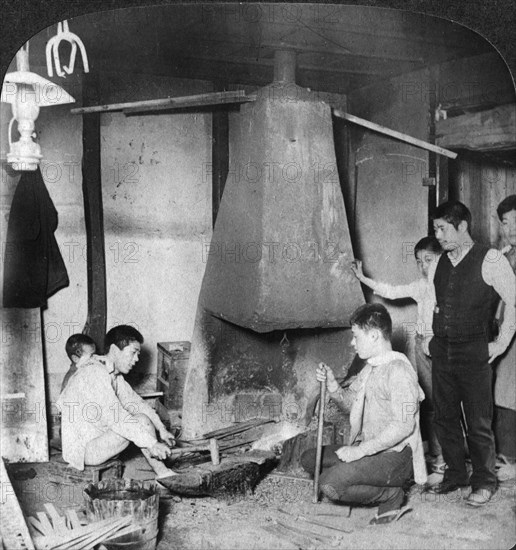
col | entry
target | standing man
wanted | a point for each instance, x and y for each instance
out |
(101, 413)
(468, 280)
(505, 385)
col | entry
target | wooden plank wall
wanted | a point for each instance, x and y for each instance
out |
(481, 184)
(23, 433)
(482, 82)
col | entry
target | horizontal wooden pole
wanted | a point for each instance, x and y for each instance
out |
(394, 134)
(183, 103)
(199, 100)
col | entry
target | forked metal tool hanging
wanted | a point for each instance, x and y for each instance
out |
(52, 50)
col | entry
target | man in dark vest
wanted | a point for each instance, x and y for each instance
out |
(469, 280)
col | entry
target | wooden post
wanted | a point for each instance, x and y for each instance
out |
(94, 219)
(442, 180)
(220, 157)
(214, 451)
(318, 454)
(433, 84)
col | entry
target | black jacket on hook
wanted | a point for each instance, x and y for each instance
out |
(33, 266)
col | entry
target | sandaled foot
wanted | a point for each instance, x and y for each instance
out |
(390, 516)
(505, 470)
(438, 467)
(479, 497)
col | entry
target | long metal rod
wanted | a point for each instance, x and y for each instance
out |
(393, 133)
(318, 455)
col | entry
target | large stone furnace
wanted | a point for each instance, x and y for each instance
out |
(277, 291)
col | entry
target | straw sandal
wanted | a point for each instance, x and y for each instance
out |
(390, 516)
(438, 468)
(505, 471)
(479, 497)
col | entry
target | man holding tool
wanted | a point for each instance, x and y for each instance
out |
(385, 448)
(102, 414)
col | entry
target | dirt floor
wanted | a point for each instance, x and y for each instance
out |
(264, 520)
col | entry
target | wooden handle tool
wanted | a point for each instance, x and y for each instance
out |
(318, 455)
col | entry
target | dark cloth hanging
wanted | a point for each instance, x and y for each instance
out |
(33, 266)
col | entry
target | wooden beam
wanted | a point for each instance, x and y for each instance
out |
(302, 48)
(94, 220)
(395, 134)
(265, 62)
(200, 100)
(492, 130)
(258, 75)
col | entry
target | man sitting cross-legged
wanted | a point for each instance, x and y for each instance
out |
(102, 414)
(385, 449)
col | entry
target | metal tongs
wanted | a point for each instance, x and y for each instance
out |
(64, 34)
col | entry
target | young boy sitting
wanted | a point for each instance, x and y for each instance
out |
(79, 348)
(385, 448)
(427, 252)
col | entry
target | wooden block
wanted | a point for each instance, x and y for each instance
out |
(208, 480)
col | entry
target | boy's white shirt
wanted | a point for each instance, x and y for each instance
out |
(422, 291)
(400, 376)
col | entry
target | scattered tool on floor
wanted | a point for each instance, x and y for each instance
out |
(315, 522)
(304, 537)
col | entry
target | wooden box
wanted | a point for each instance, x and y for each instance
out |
(172, 367)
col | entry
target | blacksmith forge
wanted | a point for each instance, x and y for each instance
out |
(277, 291)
